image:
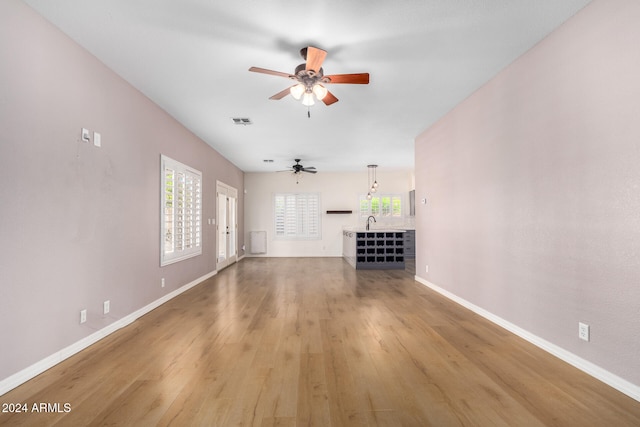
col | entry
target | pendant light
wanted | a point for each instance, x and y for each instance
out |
(374, 186)
(372, 181)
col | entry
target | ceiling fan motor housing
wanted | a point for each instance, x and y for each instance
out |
(308, 77)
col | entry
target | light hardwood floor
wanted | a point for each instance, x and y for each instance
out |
(296, 342)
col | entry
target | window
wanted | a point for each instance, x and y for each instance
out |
(181, 211)
(381, 206)
(297, 216)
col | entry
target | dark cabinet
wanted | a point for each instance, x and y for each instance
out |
(380, 250)
(410, 244)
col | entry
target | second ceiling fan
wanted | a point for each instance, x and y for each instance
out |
(310, 79)
(297, 170)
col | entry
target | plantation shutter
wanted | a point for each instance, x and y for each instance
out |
(181, 211)
(297, 216)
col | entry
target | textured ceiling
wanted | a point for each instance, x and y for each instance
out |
(192, 57)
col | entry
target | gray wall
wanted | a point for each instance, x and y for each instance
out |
(533, 190)
(80, 224)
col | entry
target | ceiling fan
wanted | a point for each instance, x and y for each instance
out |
(310, 79)
(297, 170)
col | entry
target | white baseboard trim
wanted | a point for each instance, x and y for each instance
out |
(595, 371)
(37, 368)
(294, 256)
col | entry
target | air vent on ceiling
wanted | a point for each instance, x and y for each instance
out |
(241, 121)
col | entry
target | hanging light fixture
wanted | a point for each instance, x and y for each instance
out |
(374, 186)
(372, 181)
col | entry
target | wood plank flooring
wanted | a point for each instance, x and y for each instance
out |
(312, 342)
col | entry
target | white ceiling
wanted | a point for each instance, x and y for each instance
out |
(192, 57)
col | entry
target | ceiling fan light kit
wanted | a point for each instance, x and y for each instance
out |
(307, 99)
(297, 91)
(320, 91)
(311, 79)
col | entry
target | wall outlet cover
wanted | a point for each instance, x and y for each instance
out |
(583, 331)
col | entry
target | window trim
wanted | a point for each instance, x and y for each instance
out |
(318, 218)
(196, 235)
(379, 215)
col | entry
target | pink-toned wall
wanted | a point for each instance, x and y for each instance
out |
(533, 191)
(78, 224)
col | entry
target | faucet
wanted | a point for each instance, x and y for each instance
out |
(371, 217)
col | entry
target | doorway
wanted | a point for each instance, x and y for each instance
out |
(227, 225)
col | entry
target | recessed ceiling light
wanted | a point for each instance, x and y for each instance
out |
(241, 121)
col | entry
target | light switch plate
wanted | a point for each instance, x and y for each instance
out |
(97, 139)
(85, 135)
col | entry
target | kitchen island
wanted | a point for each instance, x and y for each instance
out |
(373, 249)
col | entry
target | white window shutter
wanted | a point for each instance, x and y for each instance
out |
(181, 212)
(297, 215)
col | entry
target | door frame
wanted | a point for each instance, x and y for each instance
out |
(229, 192)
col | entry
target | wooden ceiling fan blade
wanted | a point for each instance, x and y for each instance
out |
(315, 58)
(358, 78)
(281, 94)
(271, 72)
(329, 99)
(308, 171)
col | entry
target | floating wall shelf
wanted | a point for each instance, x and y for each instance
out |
(339, 212)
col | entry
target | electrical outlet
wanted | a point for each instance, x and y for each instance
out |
(162, 282)
(106, 306)
(583, 331)
(83, 316)
(426, 268)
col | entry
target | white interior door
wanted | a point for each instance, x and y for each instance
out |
(227, 225)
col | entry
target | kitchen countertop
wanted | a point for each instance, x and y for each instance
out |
(376, 230)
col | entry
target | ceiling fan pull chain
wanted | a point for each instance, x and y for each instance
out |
(309, 112)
